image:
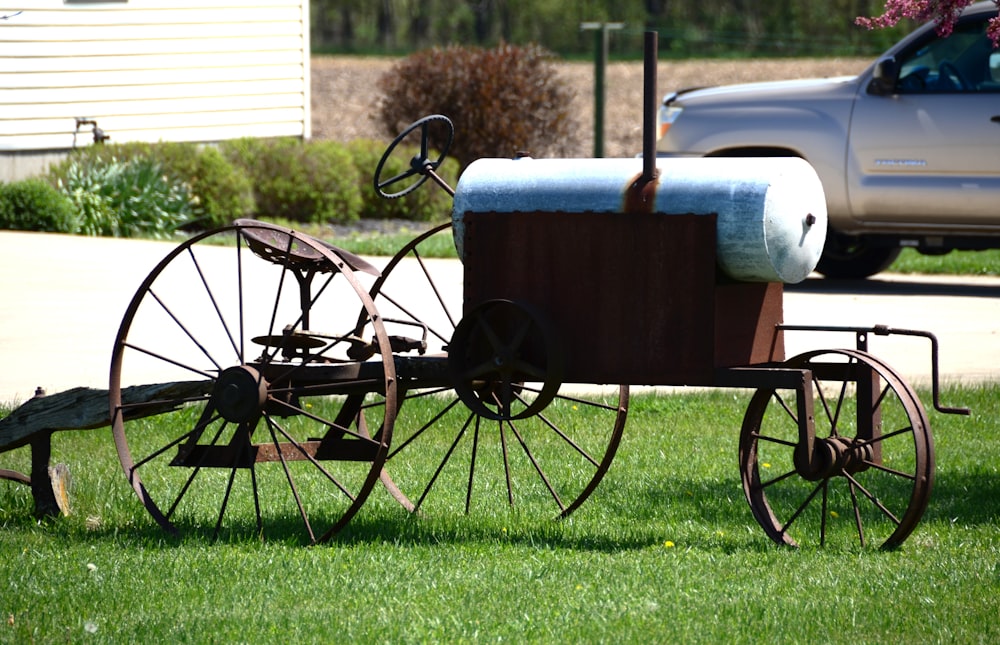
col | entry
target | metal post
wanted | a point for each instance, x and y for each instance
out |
(650, 105)
(600, 30)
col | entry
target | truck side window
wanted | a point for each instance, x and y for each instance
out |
(962, 62)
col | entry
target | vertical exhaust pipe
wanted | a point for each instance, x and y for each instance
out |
(649, 107)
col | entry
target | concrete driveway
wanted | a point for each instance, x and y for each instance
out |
(63, 297)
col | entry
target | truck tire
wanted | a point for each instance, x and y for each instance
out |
(846, 257)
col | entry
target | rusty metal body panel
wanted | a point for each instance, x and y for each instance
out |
(637, 298)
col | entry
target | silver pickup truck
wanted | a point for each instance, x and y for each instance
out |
(908, 151)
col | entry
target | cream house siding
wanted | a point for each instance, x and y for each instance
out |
(151, 70)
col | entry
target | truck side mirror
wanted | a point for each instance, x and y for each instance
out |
(884, 77)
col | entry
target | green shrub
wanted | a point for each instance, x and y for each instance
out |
(313, 181)
(221, 192)
(133, 198)
(35, 205)
(501, 100)
(426, 204)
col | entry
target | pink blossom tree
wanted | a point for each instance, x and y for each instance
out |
(944, 12)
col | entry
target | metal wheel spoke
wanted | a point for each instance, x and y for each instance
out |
(196, 431)
(769, 439)
(433, 285)
(171, 361)
(225, 503)
(215, 304)
(784, 406)
(256, 499)
(824, 509)
(326, 422)
(194, 471)
(803, 506)
(444, 461)
(536, 465)
(472, 464)
(877, 405)
(291, 483)
(873, 499)
(184, 328)
(562, 435)
(437, 417)
(431, 330)
(506, 464)
(579, 401)
(885, 436)
(779, 478)
(890, 471)
(857, 513)
(305, 453)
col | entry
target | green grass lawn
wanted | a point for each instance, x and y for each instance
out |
(666, 550)
(954, 263)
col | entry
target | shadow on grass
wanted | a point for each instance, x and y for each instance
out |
(966, 498)
(707, 513)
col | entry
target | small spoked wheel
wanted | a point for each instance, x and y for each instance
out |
(872, 469)
(498, 347)
(433, 129)
(507, 436)
(276, 414)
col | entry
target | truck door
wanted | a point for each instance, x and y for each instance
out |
(931, 150)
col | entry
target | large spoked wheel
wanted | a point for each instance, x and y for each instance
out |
(448, 456)
(282, 415)
(874, 468)
(433, 129)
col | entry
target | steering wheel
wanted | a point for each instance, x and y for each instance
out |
(947, 70)
(421, 163)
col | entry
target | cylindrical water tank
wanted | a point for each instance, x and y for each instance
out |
(771, 212)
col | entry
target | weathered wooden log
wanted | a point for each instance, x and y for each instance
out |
(84, 408)
(80, 408)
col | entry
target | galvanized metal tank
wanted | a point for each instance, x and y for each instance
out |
(771, 212)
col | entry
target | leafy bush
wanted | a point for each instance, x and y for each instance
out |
(299, 181)
(131, 198)
(220, 191)
(426, 204)
(501, 100)
(35, 205)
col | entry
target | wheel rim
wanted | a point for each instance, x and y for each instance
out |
(448, 457)
(878, 467)
(279, 424)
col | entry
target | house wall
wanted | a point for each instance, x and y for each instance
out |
(148, 70)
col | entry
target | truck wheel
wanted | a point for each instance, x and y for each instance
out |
(852, 258)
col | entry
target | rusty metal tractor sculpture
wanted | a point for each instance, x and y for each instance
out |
(305, 377)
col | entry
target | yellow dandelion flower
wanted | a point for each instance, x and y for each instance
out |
(668, 544)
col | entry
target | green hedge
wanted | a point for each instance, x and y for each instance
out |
(35, 205)
(145, 189)
(299, 181)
